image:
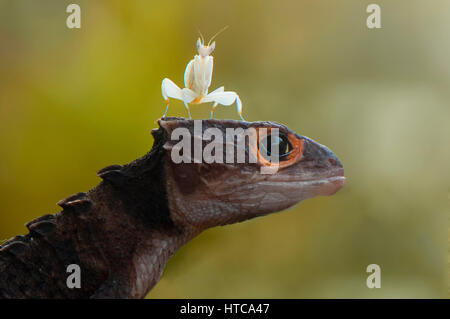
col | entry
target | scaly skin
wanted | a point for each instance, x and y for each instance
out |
(122, 232)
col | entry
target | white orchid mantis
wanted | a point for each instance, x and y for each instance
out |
(197, 79)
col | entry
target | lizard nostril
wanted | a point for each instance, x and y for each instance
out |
(335, 162)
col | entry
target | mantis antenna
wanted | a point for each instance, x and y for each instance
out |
(201, 36)
(215, 35)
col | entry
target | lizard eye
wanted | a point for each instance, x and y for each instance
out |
(289, 146)
(272, 142)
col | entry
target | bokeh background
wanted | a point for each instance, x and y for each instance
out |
(74, 101)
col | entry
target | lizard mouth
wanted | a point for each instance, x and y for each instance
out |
(328, 186)
(311, 185)
(325, 185)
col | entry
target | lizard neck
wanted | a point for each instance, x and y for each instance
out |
(120, 234)
(150, 259)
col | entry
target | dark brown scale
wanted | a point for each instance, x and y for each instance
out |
(15, 276)
(114, 167)
(47, 217)
(78, 203)
(42, 228)
(45, 259)
(16, 248)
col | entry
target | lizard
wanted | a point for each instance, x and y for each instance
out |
(123, 231)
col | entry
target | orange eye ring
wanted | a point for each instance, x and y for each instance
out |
(288, 159)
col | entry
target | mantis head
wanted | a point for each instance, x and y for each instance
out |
(205, 50)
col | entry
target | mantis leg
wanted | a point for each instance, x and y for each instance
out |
(165, 111)
(213, 107)
(239, 107)
(187, 109)
(225, 98)
(170, 90)
(221, 89)
(187, 97)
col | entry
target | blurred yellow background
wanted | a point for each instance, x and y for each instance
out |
(75, 100)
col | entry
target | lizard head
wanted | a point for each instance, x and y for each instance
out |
(214, 178)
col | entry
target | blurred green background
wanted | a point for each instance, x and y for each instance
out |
(74, 101)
